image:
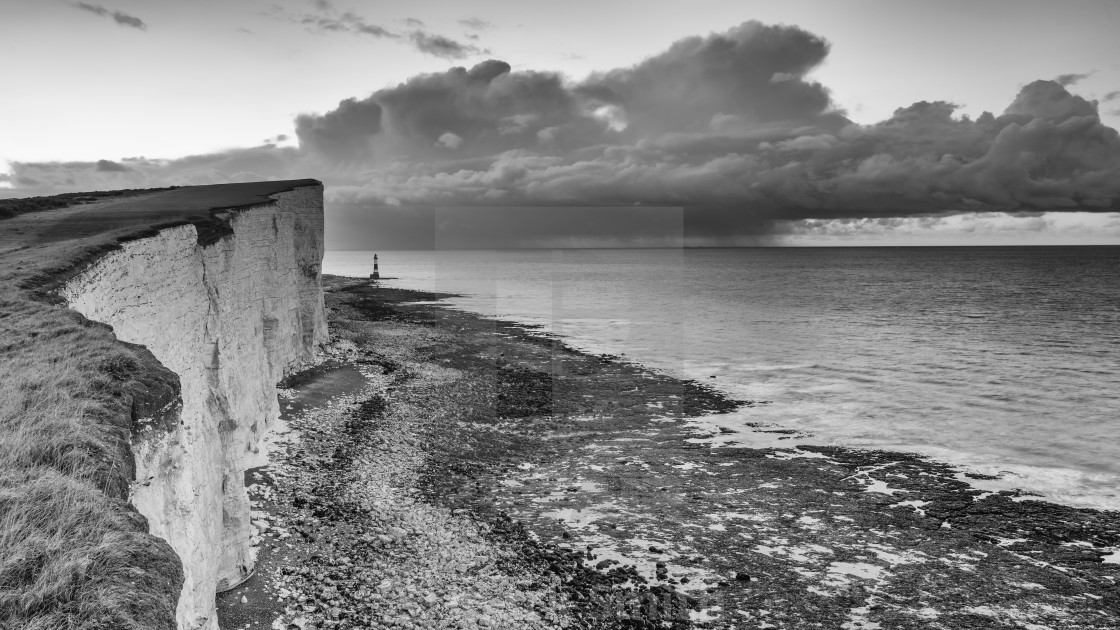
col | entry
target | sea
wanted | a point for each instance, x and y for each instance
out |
(1003, 361)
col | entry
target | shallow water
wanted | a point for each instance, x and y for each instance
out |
(1002, 359)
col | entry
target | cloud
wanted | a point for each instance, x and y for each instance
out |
(475, 23)
(449, 140)
(1066, 80)
(123, 19)
(345, 23)
(730, 127)
(1111, 96)
(257, 163)
(326, 19)
(343, 135)
(108, 166)
(982, 228)
(440, 46)
(1048, 99)
(704, 127)
(723, 74)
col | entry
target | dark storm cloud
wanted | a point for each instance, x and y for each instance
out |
(123, 19)
(1048, 99)
(729, 127)
(477, 113)
(424, 227)
(566, 226)
(108, 166)
(343, 135)
(751, 75)
(440, 46)
(475, 23)
(1066, 80)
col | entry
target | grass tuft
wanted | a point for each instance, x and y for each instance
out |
(73, 552)
(73, 557)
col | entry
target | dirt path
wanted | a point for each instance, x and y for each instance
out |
(452, 472)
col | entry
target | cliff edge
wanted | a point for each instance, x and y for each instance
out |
(143, 391)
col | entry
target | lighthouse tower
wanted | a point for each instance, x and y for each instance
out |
(375, 275)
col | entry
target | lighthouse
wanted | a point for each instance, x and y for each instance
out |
(375, 275)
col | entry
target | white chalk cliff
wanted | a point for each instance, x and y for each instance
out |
(231, 319)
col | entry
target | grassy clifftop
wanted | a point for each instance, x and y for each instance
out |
(73, 552)
(12, 207)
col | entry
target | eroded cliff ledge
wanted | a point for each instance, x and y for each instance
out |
(221, 285)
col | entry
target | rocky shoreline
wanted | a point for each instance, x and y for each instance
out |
(447, 471)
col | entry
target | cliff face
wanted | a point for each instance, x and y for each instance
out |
(231, 318)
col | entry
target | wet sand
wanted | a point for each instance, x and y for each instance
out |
(447, 471)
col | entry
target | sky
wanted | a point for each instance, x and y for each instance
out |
(822, 122)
